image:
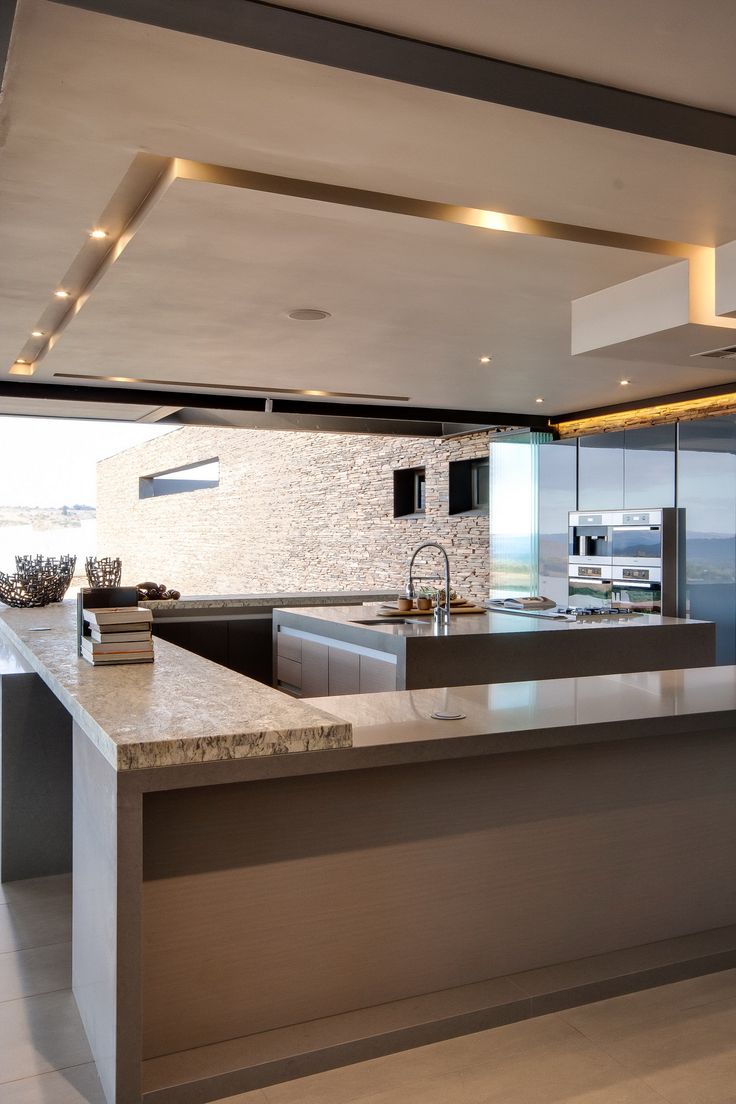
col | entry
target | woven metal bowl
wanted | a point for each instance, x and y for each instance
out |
(104, 572)
(39, 580)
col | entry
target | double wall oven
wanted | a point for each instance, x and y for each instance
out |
(626, 560)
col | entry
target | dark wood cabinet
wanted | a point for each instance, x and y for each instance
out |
(242, 644)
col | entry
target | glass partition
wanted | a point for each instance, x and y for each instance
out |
(557, 497)
(514, 514)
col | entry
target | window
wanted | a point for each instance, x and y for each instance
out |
(192, 477)
(409, 492)
(469, 486)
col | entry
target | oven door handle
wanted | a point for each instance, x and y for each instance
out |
(632, 585)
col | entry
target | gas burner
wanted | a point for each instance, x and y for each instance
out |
(594, 611)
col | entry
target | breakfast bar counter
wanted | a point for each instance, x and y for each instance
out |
(264, 888)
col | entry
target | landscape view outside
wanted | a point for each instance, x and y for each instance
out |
(48, 487)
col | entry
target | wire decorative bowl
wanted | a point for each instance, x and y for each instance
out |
(104, 572)
(38, 581)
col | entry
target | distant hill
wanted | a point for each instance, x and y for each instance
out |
(46, 517)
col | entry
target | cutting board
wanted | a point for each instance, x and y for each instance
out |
(456, 607)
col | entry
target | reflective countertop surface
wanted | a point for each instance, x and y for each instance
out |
(657, 698)
(478, 624)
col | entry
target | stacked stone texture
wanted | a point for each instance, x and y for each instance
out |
(293, 512)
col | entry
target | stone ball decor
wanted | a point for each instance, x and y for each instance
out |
(104, 572)
(156, 592)
(39, 580)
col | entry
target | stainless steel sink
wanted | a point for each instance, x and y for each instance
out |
(391, 621)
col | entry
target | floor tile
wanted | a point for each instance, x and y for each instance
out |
(38, 970)
(625, 1012)
(520, 1062)
(77, 1085)
(56, 889)
(29, 919)
(40, 1034)
(255, 1097)
(684, 1046)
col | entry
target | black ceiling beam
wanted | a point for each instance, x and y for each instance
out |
(358, 49)
(136, 396)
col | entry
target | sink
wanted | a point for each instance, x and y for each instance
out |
(391, 621)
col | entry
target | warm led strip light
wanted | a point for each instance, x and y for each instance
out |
(162, 172)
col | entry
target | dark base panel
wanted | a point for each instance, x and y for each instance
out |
(35, 780)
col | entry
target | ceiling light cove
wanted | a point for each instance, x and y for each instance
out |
(22, 368)
(308, 314)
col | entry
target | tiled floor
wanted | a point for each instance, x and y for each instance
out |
(675, 1044)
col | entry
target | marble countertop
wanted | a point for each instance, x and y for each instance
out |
(179, 709)
(522, 716)
(269, 601)
(474, 624)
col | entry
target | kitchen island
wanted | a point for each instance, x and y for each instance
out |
(264, 887)
(350, 649)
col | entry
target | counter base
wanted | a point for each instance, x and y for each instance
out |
(241, 1065)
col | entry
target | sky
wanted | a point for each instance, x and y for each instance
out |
(51, 461)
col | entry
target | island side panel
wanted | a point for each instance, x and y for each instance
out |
(35, 780)
(106, 911)
(511, 657)
(277, 902)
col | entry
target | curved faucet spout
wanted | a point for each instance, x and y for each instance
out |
(442, 611)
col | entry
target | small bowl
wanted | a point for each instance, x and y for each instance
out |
(424, 603)
(405, 604)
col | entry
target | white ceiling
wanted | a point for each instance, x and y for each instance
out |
(200, 294)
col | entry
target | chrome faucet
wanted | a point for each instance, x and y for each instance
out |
(441, 612)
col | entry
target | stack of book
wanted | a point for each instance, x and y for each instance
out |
(118, 634)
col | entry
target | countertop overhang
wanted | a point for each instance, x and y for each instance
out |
(180, 709)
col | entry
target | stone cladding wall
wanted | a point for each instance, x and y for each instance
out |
(293, 511)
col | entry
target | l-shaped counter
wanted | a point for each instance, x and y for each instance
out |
(313, 882)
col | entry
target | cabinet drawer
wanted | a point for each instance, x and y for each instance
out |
(289, 671)
(344, 671)
(376, 675)
(290, 647)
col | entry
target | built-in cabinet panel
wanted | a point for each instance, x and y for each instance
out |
(242, 644)
(601, 472)
(707, 491)
(376, 675)
(344, 671)
(315, 669)
(649, 467)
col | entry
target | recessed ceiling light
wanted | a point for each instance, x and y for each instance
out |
(61, 293)
(20, 360)
(539, 400)
(37, 333)
(308, 314)
(485, 360)
(624, 383)
(98, 233)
